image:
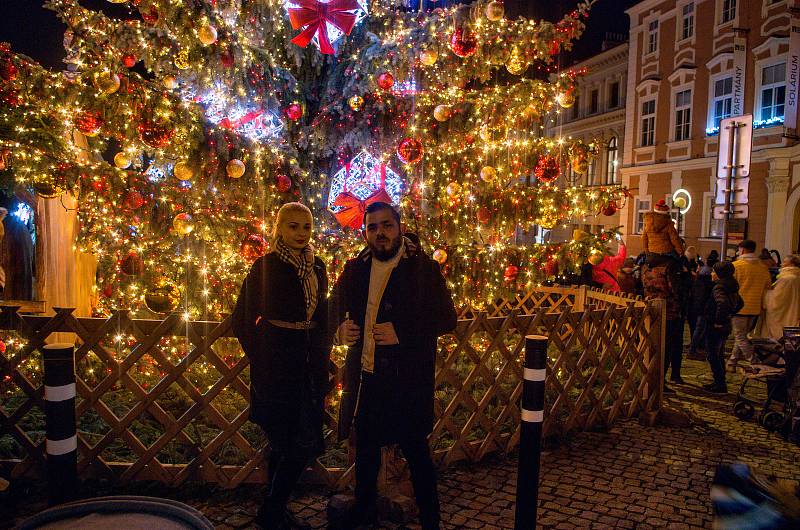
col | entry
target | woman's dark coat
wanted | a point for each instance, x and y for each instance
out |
(420, 307)
(287, 366)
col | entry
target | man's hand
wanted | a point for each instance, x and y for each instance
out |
(384, 334)
(348, 333)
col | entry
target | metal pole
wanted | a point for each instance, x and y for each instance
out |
(60, 429)
(530, 441)
(729, 182)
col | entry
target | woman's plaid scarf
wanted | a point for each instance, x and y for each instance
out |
(304, 263)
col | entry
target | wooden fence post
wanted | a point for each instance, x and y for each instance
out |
(657, 312)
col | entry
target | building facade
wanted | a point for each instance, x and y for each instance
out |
(692, 63)
(598, 117)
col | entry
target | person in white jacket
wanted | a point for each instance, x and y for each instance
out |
(782, 302)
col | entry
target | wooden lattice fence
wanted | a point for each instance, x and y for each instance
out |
(167, 400)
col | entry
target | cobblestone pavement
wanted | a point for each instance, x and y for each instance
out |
(630, 477)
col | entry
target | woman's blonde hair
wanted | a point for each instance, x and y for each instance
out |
(281, 217)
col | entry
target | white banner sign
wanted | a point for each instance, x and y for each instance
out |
(793, 71)
(739, 74)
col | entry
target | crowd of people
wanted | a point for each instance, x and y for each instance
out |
(754, 296)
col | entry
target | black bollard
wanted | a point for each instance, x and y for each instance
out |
(530, 440)
(59, 411)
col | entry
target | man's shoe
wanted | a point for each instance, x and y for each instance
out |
(716, 388)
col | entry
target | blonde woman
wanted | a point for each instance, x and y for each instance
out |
(281, 321)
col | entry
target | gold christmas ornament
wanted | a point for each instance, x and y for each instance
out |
(596, 257)
(183, 171)
(440, 255)
(453, 189)
(207, 35)
(356, 102)
(122, 160)
(182, 60)
(183, 224)
(235, 168)
(548, 218)
(170, 82)
(428, 57)
(495, 11)
(566, 99)
(516, 64)
(488, 173)
(442, 112)
(162, 296)
(107, 82)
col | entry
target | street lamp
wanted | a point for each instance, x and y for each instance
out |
(682, 200)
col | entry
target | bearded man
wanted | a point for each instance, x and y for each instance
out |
(391, 304)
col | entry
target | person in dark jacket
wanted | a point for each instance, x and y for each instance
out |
(701, 291)
(723, 303)
(392, 303)
(280, 320)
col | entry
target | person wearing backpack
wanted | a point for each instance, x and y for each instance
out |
(720, 307)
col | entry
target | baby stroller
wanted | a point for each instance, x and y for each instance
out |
(771, 386)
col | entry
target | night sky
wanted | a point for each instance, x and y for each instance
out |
(37, 32)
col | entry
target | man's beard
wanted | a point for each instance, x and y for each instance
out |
(386, 255)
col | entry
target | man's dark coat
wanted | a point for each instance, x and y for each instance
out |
(419, 305)
(286, 365)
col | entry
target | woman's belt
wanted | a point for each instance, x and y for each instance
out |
(306, 324)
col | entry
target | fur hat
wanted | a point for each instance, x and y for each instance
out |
(661, 207)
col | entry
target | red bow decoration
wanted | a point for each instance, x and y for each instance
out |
(353, 213)
(313, 15)
(226, 122)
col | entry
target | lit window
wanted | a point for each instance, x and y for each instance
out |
(687, 22)
(652, 37)
(648, 122)
(611, 167)
(773, 91)
(723, 99)
(683, 115)
(728, 10)
(713, 226)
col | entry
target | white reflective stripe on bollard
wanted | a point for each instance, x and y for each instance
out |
(59, 393)
(534, 374)
(62, 447)
(532, 416)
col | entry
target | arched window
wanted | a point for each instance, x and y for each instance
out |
(611, 161)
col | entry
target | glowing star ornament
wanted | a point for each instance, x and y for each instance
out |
(362, 181)
(324, 22)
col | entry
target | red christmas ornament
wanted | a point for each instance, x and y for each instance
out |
(253, 247)
(547, 168)
(463, 42)
(89, 122)
(609, 209)
(294, 111)
(385, 81)
(484, 215)
(129, 60)
(226, 58)
(283, 183)
(7, 70)
(132, 264)
(155, 134)
(511, 273)
(133, 200)
(108, 291)
(410, 150)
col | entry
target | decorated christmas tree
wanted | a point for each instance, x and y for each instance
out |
(183, 125)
